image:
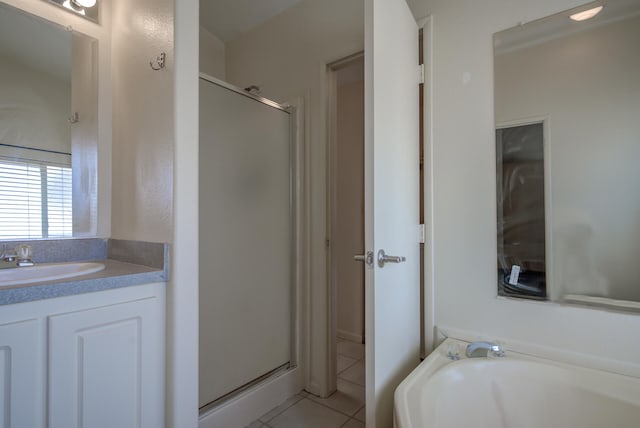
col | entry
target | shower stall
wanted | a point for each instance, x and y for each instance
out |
(247, 240)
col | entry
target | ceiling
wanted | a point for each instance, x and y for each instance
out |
(227, 19)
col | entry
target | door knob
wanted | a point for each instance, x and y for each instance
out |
(366, 258)
(383, 258)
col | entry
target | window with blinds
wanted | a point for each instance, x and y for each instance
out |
(35, 199)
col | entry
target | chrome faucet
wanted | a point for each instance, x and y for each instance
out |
(24, 253)
(8, 255)
(484, 349)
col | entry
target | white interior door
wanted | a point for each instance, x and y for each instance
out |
(392, 293)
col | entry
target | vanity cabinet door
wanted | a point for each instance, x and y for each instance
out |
(21, 374)
(106, 366)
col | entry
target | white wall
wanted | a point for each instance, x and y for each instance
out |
(34, 108)
(586, 84)
(349, 207)
(212, 55)
(464, 199)
(142, 121)
(287, 58)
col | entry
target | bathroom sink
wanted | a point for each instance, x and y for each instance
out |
(47, 272)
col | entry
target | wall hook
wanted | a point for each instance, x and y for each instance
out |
(74, 118)
(159, 62)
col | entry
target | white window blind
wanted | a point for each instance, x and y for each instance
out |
(35, 200)
(59, 213)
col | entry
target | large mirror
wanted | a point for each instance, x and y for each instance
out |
(567, 112)
(48, 129)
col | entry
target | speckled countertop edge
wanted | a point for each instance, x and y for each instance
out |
(116, 274)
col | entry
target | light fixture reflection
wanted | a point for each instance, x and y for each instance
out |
(85, 3)
(586, 14)
(74, 6)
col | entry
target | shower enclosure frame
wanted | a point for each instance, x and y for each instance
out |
(295, 246)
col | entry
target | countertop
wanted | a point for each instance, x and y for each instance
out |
(116, 274)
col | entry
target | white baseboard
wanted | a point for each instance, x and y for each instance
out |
(346, 335)
(253, 403)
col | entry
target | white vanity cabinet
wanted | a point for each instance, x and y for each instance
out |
(94, 360)
(21, 374)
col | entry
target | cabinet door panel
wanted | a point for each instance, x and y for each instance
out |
(21, 380)
(104, 367)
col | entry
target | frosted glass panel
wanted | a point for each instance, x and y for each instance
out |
(245, 240)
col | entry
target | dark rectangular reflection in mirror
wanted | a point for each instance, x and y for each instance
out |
(521, 221)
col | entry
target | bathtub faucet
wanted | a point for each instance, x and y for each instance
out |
(484, 349)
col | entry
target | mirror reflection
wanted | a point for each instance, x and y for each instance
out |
(579, 80)
(48, 110)
(521, 231)
(85, 8)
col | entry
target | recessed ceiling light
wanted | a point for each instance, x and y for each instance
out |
(586, 14)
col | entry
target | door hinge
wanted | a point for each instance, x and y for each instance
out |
(421, 74)
(422, 235)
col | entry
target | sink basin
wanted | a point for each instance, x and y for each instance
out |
(46, 272)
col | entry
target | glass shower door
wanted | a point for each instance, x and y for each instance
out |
(246, 236)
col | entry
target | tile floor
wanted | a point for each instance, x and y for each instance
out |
(343, 409)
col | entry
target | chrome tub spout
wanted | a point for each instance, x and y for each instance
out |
(484, 349)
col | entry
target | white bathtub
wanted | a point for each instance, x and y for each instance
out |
(517, 391)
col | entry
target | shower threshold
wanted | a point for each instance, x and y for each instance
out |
(219, 402)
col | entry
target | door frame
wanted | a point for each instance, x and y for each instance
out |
(331, 203)
(329, 352)
(425, 25)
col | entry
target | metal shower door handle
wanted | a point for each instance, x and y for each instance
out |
(383, 258)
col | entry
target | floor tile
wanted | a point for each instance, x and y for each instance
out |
(353, 424)
(361, 415)
(355, 373)
(344, 362)
(349, 398)
(308, 414)
(350, 349)
(255, 424)
(280, 408)
(352, 389)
